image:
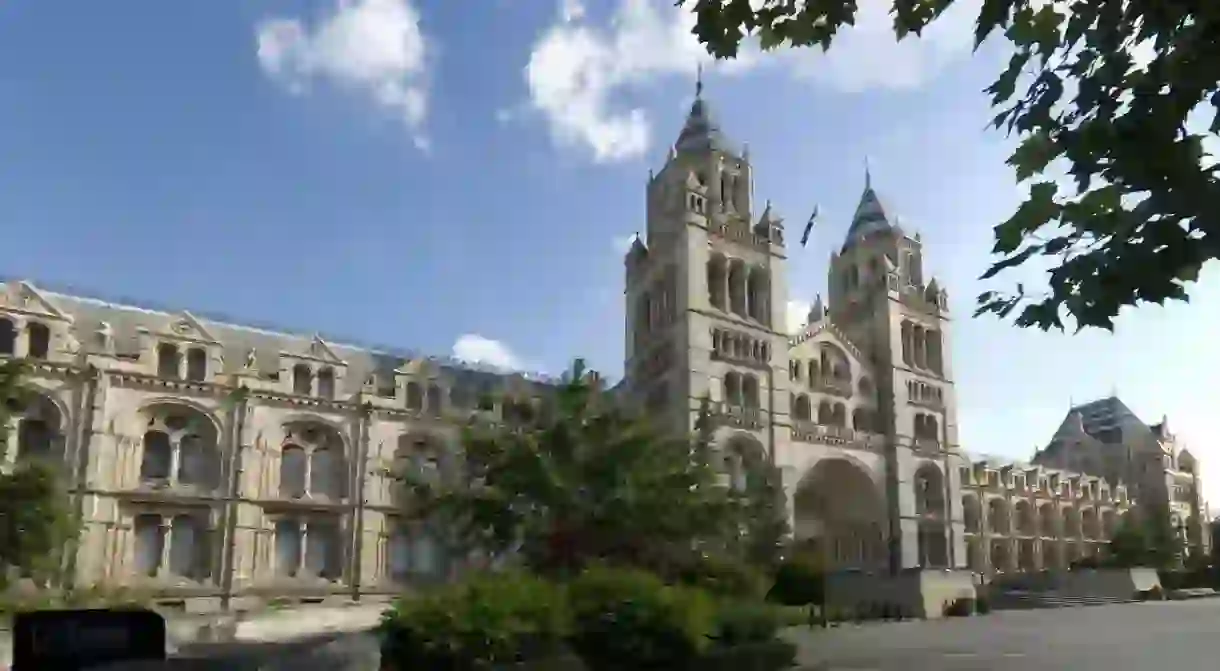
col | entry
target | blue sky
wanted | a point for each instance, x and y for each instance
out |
(416, 173)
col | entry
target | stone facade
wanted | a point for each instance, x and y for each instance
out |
(198, 493)
(192, 491)
(859, 407)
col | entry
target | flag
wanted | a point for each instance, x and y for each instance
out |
(809, 226)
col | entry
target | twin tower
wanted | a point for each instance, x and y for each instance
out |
(856, 406)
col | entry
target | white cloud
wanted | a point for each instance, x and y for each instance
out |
(372, 46)
(797, 315)
(474, 348)
(579, 72)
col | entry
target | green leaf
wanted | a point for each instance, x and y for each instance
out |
(1033, 155)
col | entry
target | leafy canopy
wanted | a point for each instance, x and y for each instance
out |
(1147, 541)
(581, 482)
(1141, 219)
(35, 514)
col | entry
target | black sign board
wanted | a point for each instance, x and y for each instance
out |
(84, 639)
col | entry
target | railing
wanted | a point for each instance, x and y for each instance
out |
(809, 432)
(740, 415)
(831, 385)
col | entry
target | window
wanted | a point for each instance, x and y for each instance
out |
(40, 340)
(196, 364)
(8, 337)
(293, 469)
(287, 547)
(167, 361)
(302, 380)
(312, 462)
(415, 396)
(326, 383)
(179, 448)
(310, 547)
(150, 541)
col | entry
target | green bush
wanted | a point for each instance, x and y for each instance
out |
(723, 577)
(798, 582)
(631, 619)
(982, 605)
(742, 622)
(490, 620)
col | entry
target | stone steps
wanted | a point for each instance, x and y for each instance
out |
(1036, 600)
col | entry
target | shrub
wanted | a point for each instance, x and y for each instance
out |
(631, 619)
(982, 605)
(798, 582)
(723, 577)
(489, 620)
(742, 622)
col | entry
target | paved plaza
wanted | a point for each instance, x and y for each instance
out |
(1165, 636)
(1162, 636)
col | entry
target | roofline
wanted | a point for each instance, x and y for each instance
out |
(263, 328)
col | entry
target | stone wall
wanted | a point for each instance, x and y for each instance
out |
(920, 593)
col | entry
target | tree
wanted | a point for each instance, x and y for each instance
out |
(36, 519)
(763, 505)
(1149, 540)
(582, 481)
(1141, 220)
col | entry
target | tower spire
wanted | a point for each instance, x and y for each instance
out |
(868, 174)
(699, 80)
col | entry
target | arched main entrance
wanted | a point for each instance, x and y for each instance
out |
(840, 516)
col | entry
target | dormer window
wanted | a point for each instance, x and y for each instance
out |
(40, 340)
(302, 379)
(326, 383)
(168, 361)
(8, 337)
(196, 364)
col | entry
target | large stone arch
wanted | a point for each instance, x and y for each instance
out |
(840, 515)
(931, 507)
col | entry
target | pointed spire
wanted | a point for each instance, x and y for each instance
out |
(818, 310)
(700, 133)
(870, 217)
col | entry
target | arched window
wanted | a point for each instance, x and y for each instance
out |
(180, 448)
(313, 462)
(158, 457)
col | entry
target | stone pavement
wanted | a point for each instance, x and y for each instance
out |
(1174, 636)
